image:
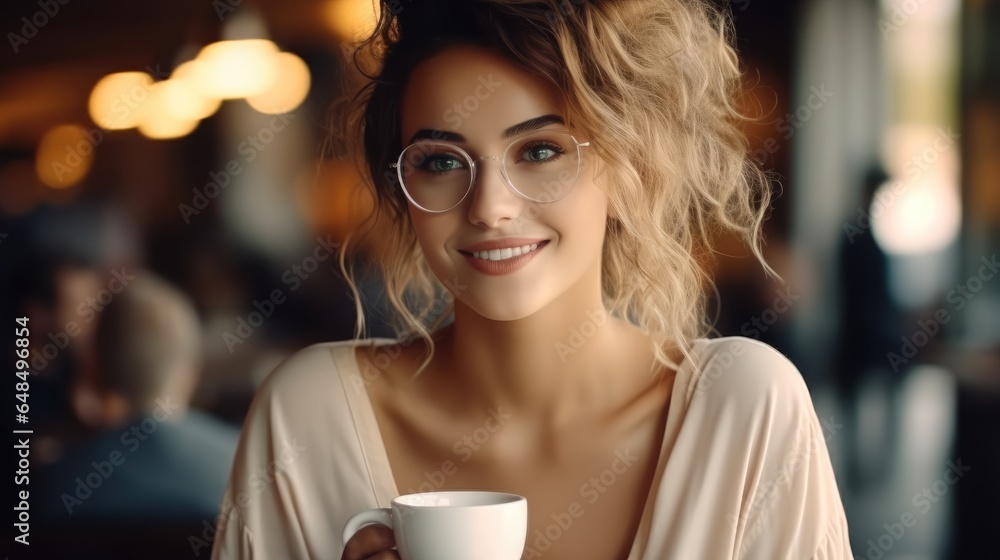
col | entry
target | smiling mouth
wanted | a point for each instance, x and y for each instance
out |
(500, 262)
(505, 254)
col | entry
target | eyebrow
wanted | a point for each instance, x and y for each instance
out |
(516, 130)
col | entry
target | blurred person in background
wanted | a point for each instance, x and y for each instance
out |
(65, 261)
(870, 323)
(151, 457)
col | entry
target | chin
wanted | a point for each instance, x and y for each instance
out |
(501, 309)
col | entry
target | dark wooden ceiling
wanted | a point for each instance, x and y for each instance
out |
(46, 79)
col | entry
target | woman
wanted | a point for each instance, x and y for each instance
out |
(547, 174)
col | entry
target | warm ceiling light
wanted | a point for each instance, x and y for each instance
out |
(235, 69)
(115, 100)
(159, 119)
(289, 89)
(163, 129)
(184, 97)
(65, 155)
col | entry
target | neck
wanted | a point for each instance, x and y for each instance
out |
(566, 358)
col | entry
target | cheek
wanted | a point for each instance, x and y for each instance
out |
(588, 202)
(432, 233)
(588, 216)
(421, 222)
(596, 177)
(580, 220)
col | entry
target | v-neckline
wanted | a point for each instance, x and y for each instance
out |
(384, 479)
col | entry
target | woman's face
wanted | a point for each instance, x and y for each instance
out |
(469, 97)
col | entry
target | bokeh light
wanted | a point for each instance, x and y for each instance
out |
(915, 218)
(115, 100)
(235, 69)
(289, 88)
(159, 119)
(65, 155)
(185, 99)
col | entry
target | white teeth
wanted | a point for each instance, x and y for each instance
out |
(503, 254)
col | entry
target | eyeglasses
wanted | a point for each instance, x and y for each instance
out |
(540, 166)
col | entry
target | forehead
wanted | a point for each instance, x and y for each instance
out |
(474, 92)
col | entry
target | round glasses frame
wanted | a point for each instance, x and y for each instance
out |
(398, 166)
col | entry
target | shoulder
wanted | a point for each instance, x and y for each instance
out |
(311, 364)
(748, 382)
(752, 402)
(313, 372)
(741, 368)
(312, 387)
(748, 401)
(307, 428)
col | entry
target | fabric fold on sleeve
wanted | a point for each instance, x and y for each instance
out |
(299, 470)
(792, 507)
(259, 514)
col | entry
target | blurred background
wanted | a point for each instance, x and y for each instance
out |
(168, 212)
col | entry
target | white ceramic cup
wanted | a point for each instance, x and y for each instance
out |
(452, 525)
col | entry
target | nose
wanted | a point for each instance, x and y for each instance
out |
(493, 202)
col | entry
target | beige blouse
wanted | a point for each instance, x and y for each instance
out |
(743, 471)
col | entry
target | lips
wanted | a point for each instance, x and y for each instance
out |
(500, 256)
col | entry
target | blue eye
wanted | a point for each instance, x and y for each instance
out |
(443, 164)
(541, 152)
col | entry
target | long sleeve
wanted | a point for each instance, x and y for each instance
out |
(745, 473)
(302, 465)
(262, 509)
(792, 507)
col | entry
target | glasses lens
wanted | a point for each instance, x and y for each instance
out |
(543, 166)
(435, 175)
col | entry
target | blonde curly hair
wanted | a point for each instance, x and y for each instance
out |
(653, 84)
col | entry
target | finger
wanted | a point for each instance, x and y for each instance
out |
(385, 555)
(368, 541)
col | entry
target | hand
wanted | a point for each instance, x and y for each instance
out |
(373, 542)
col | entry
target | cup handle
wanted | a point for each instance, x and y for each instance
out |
(382, 516)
